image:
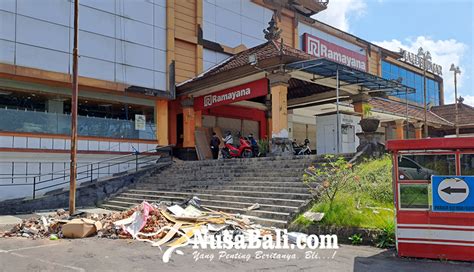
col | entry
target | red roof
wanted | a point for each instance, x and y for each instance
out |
(399, 108)
(448, 112)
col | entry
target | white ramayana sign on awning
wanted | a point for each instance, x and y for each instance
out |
(324, 49)
(413, 59)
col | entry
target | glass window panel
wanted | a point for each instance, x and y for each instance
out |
(394, 70)
(386, 74)
(467, 164)
(385, 67)
(410, 77)
(422, 167)
(403, 74)
(414, 196)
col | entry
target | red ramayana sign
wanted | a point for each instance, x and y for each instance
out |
(323, 49)
(242, 92)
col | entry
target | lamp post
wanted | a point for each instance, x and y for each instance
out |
(426, 58)
(456, 71)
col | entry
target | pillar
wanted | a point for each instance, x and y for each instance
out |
(418, 130)
(399, 129)
(358, 102)
(161, 121)
(198, 118)
(279, 106)
(189, 123)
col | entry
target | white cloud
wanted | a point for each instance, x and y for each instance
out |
(339, 12)
(444, 53)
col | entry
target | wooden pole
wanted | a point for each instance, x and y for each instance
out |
(73, 169)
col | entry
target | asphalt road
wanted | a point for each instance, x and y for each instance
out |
(94, 254)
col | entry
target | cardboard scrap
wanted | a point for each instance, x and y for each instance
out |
(80, 228)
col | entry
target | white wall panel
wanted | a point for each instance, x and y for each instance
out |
(252, 28)
(44, 38)
(43, 34)
(96, 21)
(8, 5)
(33, 142)
(159, 38)
(209, 12)
(160, 60)
(55, 11)
(7, 52)
(159, 16)
(140, 10)
(134, 31)
(160, 81)
(209, 31)
(251, 41)
(134, 54)
(232, 23)
(7, 25)
(252, 10)
(95, 68)
(46, 143)
(134, 76)
(228, 37)
(40, 58)
(228, 19)
(19, 142)
(104, 5)
(230, 5)
(96, 46)
(6, 141)
(57, 143)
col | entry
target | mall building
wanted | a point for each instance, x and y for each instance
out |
(168, 72)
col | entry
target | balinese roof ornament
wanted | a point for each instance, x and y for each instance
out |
(272, 33)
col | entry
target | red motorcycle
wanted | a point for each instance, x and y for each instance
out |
(243, 151)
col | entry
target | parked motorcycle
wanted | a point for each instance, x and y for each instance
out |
(230, 151)
(302, 149)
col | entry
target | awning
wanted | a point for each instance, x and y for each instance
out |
(349, 78)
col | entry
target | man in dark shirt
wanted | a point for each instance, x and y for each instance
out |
(215, 142)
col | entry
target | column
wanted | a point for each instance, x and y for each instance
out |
(399, 133)
(279, 92)
(189, 124)
(198, 118)
(418, 130)
(161, 121)
(358, 102)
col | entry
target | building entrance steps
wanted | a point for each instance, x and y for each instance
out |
(231, 186)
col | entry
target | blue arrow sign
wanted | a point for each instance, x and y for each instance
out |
(453, 193)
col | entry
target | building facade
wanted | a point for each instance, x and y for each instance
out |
(134, 54)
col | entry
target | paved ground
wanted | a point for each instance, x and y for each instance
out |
(94, 254)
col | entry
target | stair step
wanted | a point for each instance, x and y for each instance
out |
(260, 200)
(212, 202)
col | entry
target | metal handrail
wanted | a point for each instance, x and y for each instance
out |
(89, 170)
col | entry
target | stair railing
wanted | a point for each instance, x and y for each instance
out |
(132, 162)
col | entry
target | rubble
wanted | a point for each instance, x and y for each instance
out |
(155, 223)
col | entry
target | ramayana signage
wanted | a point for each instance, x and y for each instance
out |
(323, 49)
(242, 92)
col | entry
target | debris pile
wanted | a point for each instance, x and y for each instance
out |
(154, 223)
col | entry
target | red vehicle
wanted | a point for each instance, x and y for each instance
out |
(243, 151)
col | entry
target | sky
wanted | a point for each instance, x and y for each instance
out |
(443, 27)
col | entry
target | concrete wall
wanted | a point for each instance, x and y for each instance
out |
(119, 40)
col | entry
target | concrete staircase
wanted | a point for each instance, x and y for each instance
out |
(230, 186)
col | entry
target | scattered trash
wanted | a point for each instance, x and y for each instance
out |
(255, 206)
(160, 224)
(313, 216)
(293, 236)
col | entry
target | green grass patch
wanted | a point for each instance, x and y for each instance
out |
(367, 202)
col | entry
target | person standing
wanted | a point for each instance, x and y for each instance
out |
(215, 142)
